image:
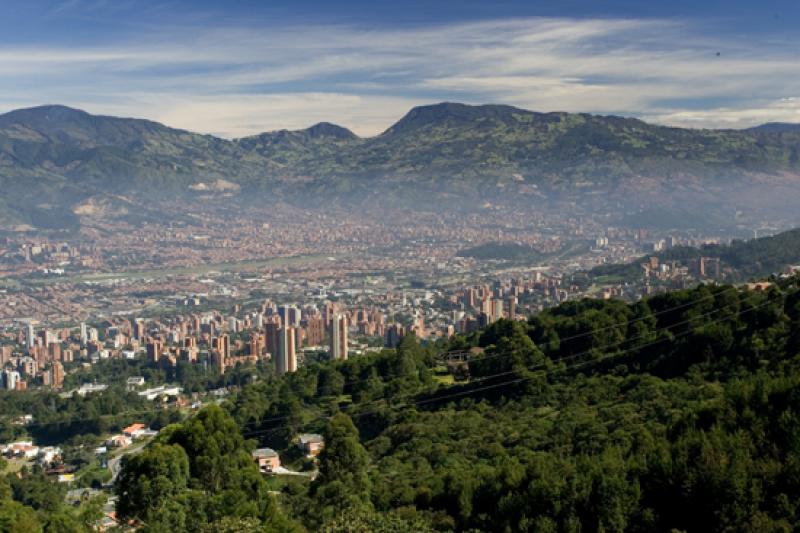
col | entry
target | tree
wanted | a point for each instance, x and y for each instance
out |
(343, 480)
(18, 518)
(364, 521)
(150, 480)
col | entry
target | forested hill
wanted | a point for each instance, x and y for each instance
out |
(755, 258)
(54, 156)
(680, 412)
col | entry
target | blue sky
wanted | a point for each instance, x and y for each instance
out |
(240, 67)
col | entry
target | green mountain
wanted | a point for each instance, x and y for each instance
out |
(56, 156)
(456, 139)
(289, 151)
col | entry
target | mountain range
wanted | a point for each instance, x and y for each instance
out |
(55, 156)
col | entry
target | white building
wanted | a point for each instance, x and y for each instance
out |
(163, 390)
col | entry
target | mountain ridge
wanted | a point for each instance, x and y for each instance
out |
(55, 154)
(775, 127)
(426, 110)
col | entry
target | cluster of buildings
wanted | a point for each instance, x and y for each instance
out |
(343, 290)
(353, 322)
(41, 357)
(271, 333)
(46, 456)
(269, 461)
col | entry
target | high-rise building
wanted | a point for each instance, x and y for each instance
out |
(138, 329)
(512, 308)
(225, 345)
(394, 334)
(470, 297)
(5, 355)
(84, 334)
(47, 337)
(271, 337)
(29, 366)
(286, 360)
(218, 360)
(497, 310)
(338, 337)
(57, 372)
(290, 315)
(315, 330)
(30, 336)
(222, 345)
(256, 344)
(328, 312)
(10, 379)
(154, 350)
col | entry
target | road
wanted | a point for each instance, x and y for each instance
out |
(115, 463)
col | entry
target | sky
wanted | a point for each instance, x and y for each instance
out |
(235, 68)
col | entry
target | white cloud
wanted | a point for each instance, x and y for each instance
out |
(238, 81)
(232, 115)
(783, 110)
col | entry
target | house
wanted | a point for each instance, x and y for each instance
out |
(162, 391)
(48, 455)
(23, 420)
(119, 441)
(134, 383)
(24, 449)
(310, 443)
(267, 459)
(134, 431)
(86, 388)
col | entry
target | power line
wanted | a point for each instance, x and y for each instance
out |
(517, 380)
(584, 334)
(487, 357)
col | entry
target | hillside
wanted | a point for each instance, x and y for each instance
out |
(776, 127)
(678, 412)
(755, 258)
(53, 155)
(501, 251)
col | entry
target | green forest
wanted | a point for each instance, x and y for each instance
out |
(679, 412)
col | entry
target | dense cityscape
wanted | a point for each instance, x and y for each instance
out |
(219, 293)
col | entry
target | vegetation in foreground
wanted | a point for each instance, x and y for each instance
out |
(674, 413)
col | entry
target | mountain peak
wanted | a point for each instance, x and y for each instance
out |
(46, 113)
(328, 130)
(451, 112)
